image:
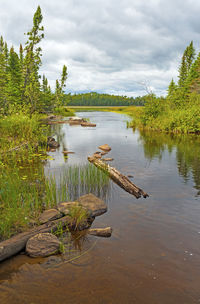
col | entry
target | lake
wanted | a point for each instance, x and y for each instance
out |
(153, 255)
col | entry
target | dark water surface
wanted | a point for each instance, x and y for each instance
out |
(153, 255)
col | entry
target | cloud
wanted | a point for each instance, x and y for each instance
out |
(108, 45)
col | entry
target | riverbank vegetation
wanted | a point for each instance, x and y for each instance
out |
(179, 112)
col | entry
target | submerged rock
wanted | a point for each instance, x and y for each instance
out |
(49, 215)
(107, 159)
(42, 244)
(67, 152)
(88, 124)
(52, 143)
(93, 204)
(103, 232)
(105, 147)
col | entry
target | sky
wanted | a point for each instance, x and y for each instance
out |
(122, 47)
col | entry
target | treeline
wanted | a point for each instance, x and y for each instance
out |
(180, 110)
(21, 85)
(96, 99)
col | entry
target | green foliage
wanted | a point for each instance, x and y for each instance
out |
(179, 112)
(64, 111)
(95, 99)
(20, 81)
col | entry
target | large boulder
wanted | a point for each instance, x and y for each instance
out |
(93, 204)
(42, 245)
(49, 215)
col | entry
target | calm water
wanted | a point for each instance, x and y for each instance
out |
(153, 255)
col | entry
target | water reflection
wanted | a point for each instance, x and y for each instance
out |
(186, 147)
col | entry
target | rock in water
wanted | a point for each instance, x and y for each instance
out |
(107, 159)
(97, 155)
(105, 147)
(92, 203)
(49, 215)
(52, 143)
(102, 232)
(42, 245)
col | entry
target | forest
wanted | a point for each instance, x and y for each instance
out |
(22, 88)
(96, 99)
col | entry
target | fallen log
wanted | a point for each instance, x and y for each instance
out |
(118, 178)
(18, 242)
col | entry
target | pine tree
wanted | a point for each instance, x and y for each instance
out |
(32, 63)
(172, 88)
(186, 63)
(193, 81)
(60, 86)
(14, 86)
(47, 98)
(3, 78)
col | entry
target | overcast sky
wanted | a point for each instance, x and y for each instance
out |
(110, 46)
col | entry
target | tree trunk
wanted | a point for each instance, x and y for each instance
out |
(118, 178)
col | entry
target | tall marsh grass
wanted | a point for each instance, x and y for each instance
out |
(24, 197)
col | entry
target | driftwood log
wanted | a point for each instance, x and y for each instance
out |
(18, 242)
(118, 178)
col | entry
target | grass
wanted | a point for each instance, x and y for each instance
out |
(78, 216)
(19, 129)
(64, 111)
(24, 195)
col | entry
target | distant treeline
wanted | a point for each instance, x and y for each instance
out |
(96, 99)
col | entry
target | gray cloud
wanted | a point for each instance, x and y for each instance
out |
(108, 45)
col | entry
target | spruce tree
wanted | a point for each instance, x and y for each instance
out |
(60, 86)
(172, 88)
(32, 63)
(14, 86)
(3, 78)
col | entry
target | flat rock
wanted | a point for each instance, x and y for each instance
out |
(107, 159)
(103, 232)
(76, 118)
(88, 124)
(42, 244)
(105, 147)
(67, 152)
(93, 204)
(96, 155)
(49, 215)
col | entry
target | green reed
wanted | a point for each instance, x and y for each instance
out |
(25, 193)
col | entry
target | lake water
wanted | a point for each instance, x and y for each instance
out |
(153, 255)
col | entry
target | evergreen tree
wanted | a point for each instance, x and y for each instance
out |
(186, 63)
(60, 86)
(14, 86)
(193, 81)
(172, 88)
(3, 78)
(32, 63)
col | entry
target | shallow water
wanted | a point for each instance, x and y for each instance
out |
(153, 255)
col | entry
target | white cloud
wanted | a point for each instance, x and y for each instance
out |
(108, 45)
